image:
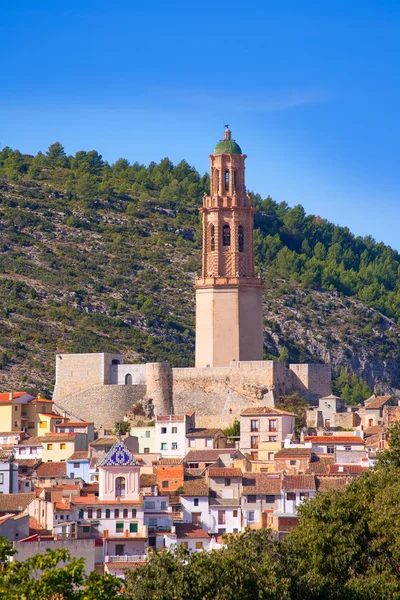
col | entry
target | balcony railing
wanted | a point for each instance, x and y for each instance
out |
(126, 533)
(125, 558)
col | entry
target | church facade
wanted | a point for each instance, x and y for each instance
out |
(229, 374)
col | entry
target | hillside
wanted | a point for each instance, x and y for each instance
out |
(98, 257)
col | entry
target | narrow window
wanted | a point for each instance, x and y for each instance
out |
(227, 181)
(120, 486)
(128, 379)
(216, 181)
(234, 180)
(98, 513)
(212, 238)
(226, 235)
(108, 512)
(125, 513)
(241, 239)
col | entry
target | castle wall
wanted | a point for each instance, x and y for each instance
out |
(137, 372)
(314, 380)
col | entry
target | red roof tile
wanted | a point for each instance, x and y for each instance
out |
(188, 530)
(261, 411)
(224, 472)
(334, 439)
(377, 402)
(298, 482)
(52, 469)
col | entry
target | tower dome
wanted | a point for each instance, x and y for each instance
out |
(227, 145)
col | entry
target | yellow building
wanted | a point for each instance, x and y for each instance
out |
(58, 447)
(20, 411)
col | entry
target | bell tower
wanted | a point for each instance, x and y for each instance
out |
(229, 322)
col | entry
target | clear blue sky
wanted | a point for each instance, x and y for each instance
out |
(310, 90)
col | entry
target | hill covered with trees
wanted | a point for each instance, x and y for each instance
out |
(99, 257)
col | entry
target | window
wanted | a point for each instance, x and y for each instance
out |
(146, 450)
(241, 238)
(174, 430)
(108, 513)
(76, 465)
(147, 434)
(120, 486)
(254, 441)
(42, 425)
(199, 545)
(31, 424)
(165, 484)
(174, 446)
(254, 425)
(125, 513)
(163, 430)
(250, 515)
(235, 512)
(119, 526)
(273, 425)
(163, 505)
(128, 379)
(81, 513)
(272, 438)
(221, 530)
(15, 423)
(330, 449)
(163, 446)
(270, 456)
(185, 545)
(153, 522)
(22, 451)
(90, 513)
(347, 448)
(119, 549)
(49, 446)
(98, 513)
(293, 463)
(16, 408)
(221, 517)
(133, 527)
(63, 446)
(133, 513)
(212, 238)
(227, 181)
(251, 498)
(227, 482)
(196, 502)
(209, 443)
(116, 513)
(150, 505)
(291, 496)
(226, 235)
(270, 498)
(192, 443)
(86, 529)
(304, 496)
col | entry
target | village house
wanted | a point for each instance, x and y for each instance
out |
(203, 438)
(27, 473)
(8, 473)
(260, 495)
(225, 489)
(292, 460)
(191, 537)
(195, 503)
(170, 434)
(85, 428)
(340, 442)
(263, 424)
(51, 473)
(169, 474)
(372, 412)
(78, 465)
(146, 435)
(202, 459)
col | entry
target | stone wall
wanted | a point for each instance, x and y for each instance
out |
(312, 379)
(77, 549)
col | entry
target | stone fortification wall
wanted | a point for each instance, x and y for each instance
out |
(103, 404)
(78, 372)
(159, 388)
(311, 379)
(137, 372)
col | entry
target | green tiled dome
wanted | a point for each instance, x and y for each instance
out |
(227, 147)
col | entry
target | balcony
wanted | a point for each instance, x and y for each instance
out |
(128, 558)
(141, 533)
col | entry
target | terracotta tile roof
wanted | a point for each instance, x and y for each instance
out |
(377, 402)
(27, 462)
(62, 506)
(51, 415)
(298, 482)
(373, 441)
(224, 472)
(90, 488)
(261, 483)
(79, 455)
(201, 432)
(260, 411)
(108, 440)
(333, 482)
(210, 456)
(52, 469)
(75, 424)
(320, 464)
(195, 487)
(334, 439)
(5, 397)
(125, 566)
(15, 502)
(295, 452)
(148, 480)
(59, 437)
(372, 430)
(10, 433)
(32, 441)
(91, 500)
(196, 472)
(170, 461)
(190, 531)
(38, 400)
(344, 469)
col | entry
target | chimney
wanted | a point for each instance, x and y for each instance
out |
(11, 395)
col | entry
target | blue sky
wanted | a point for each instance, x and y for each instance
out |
(310, 90)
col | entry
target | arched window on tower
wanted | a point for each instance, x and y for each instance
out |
(216, 181)
(226, 235)
(241, 238)
(227, 181)
(120, 486)
(212, 238)
(128, 379)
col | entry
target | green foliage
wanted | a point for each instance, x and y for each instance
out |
(122, 427)
(351, 388)
(296, 404)
(234, 430)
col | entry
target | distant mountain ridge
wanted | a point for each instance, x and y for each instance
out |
(99, 257)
